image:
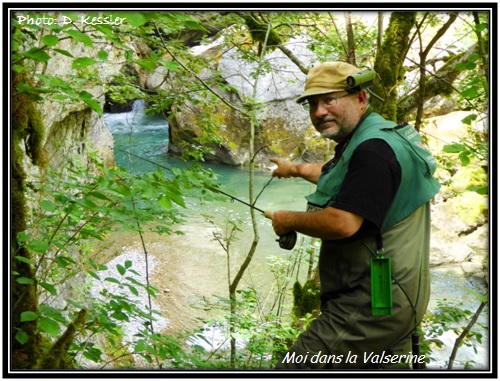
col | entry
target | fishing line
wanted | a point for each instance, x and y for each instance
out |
(286, 241)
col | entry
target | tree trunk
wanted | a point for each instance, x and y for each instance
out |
(351, 47)
(380, 31)
(27, 129)
(389, 63)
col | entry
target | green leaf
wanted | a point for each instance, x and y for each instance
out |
(128, 264)
(24, 260)
(24, 280)
(195, 25)
(123, 190)
(93, 354)
(27, 89)
(22, 337)
(470, 93)
(469, 119)
(473, 57)
(82, 62)
(481, 27)
(50, 40)
(464, 158)
(483, 190)
(120, 316)
(50, 80)
(121, 269)
(133, 290)
(165, 202)
(75, 303)
(86, 203)
(18, 68)
(52, 312)
(94, 106)
(49, 287)
(151, 291)
(112, 280)
(37, 246)
(102, 55)
(146, 64)
(470, 65)
(64, 261)
(172, 66)
(36, 54)
(80, 37)
(48, 206)
(177, 198)
(453, 148)
(100, 196)
(49, 326)
(140, 346)
(63, 52)
(28, 316)
(133, 18)
(134, 281)
(91, 233)
(93, 274)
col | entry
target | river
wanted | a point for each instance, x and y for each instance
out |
(192, 267)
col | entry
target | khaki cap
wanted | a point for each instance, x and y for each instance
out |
(327, 77)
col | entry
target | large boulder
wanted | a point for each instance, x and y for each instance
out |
(283, 127)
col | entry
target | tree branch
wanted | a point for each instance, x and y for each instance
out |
(465, 332)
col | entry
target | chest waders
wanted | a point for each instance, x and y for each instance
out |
(416, 189)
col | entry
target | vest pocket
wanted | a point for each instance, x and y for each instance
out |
(420, 154)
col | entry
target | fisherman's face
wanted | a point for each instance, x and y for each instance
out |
(335, 115)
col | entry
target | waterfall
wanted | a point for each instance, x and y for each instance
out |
(139, 105)
(141, 133)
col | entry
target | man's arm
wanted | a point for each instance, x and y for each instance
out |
(307, 171)
(328, 224)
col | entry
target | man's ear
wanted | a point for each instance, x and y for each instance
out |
(362, 96)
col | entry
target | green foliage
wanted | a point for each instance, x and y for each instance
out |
(25, 58)
(305, 298)
(261, 336)
(471, 149)
(450, 317)
(74, 208)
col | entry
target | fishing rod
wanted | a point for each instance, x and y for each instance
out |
(286, 241)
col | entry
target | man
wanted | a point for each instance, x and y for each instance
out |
(372, 201)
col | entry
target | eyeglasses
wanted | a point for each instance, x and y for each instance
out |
(328, 101)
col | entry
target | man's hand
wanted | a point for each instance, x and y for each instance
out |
(278, 219)
(285, 168)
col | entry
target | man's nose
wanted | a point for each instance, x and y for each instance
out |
(320, 110)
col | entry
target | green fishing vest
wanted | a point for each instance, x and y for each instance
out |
(418, 185)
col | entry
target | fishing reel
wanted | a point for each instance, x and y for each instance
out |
(288, 240)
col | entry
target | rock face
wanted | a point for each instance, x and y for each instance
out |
(283, 127)
(72, 128)
(459, 216)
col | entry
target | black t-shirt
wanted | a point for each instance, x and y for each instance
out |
(370, 185)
